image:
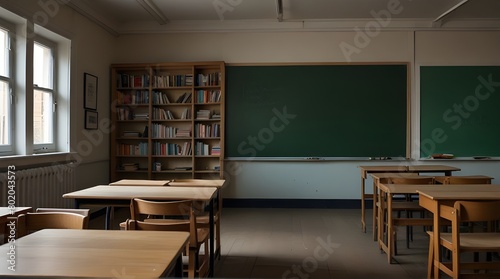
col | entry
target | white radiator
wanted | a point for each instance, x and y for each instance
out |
(41, 186)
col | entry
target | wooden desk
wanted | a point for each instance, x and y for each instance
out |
(433, 200)
(122, 195)
(139, 182)
(388, 190)
(386, 205)
(96, 253)
(5, 213)
(377, 179)
(218, 183)
(365, 170)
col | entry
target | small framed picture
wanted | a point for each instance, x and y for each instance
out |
(91, 120)
(90, 91)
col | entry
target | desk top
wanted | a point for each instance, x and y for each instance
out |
(198, 182)
(431, 168)
(174, 182)
(378, 175)
(488, 192)
(139, 182)
(107, 192)
(412, 188)
(95, 253)
(408, 168)
(398, 168)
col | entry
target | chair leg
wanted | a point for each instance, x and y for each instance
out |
(430, 259)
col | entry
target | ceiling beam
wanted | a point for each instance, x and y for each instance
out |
(279, 9)
(89, 13)
(438, 21)
(154, 11)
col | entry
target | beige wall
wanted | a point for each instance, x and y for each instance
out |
(319, 180)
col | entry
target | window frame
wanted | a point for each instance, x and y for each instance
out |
(47, 147)
(7, 149)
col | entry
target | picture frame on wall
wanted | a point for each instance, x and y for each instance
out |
(91, 120)
(90, 91)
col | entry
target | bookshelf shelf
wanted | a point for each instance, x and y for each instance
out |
(151, 104)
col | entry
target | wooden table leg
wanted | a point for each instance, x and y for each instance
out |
(363, 223)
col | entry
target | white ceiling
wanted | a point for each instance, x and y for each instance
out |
(145, 16)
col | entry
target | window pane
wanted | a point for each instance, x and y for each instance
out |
(4, 53)
(42, 117)
(4, 113)
(42, 75)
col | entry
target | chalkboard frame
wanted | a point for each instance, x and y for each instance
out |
(407, 110)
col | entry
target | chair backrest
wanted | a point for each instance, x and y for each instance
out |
(411, 180)
(30, 222)
(179, 216)
(81, 211)
(477, 211)
(466, 180)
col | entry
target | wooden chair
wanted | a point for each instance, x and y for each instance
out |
(449, 180)
(174, 216)
(31, 222)
(408, 204)
(458, 242)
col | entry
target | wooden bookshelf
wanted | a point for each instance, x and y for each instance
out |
(168, 120)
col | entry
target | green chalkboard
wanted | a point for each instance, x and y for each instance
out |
(460, 110)
(316, 110)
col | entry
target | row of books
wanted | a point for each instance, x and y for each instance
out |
(204, 149)
(172, 80)
(160, 98)
(203, 114)
(140, 149)
(162, 131)
(124, 114)
(162, 114)
(184, 98)
(206, 131)
(163, 149)
(208, 96)
(132, 81)
(137, 97)
(210, 79)
(207, 114)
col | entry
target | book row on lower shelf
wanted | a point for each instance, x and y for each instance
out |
(140, 149)
(184, 149)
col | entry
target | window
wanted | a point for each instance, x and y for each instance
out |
(5, 92)
(35, 90)
(43, 95)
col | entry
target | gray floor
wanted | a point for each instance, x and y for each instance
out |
(306, 244)
(311, 243)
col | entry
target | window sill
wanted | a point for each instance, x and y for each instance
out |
(26, 161)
